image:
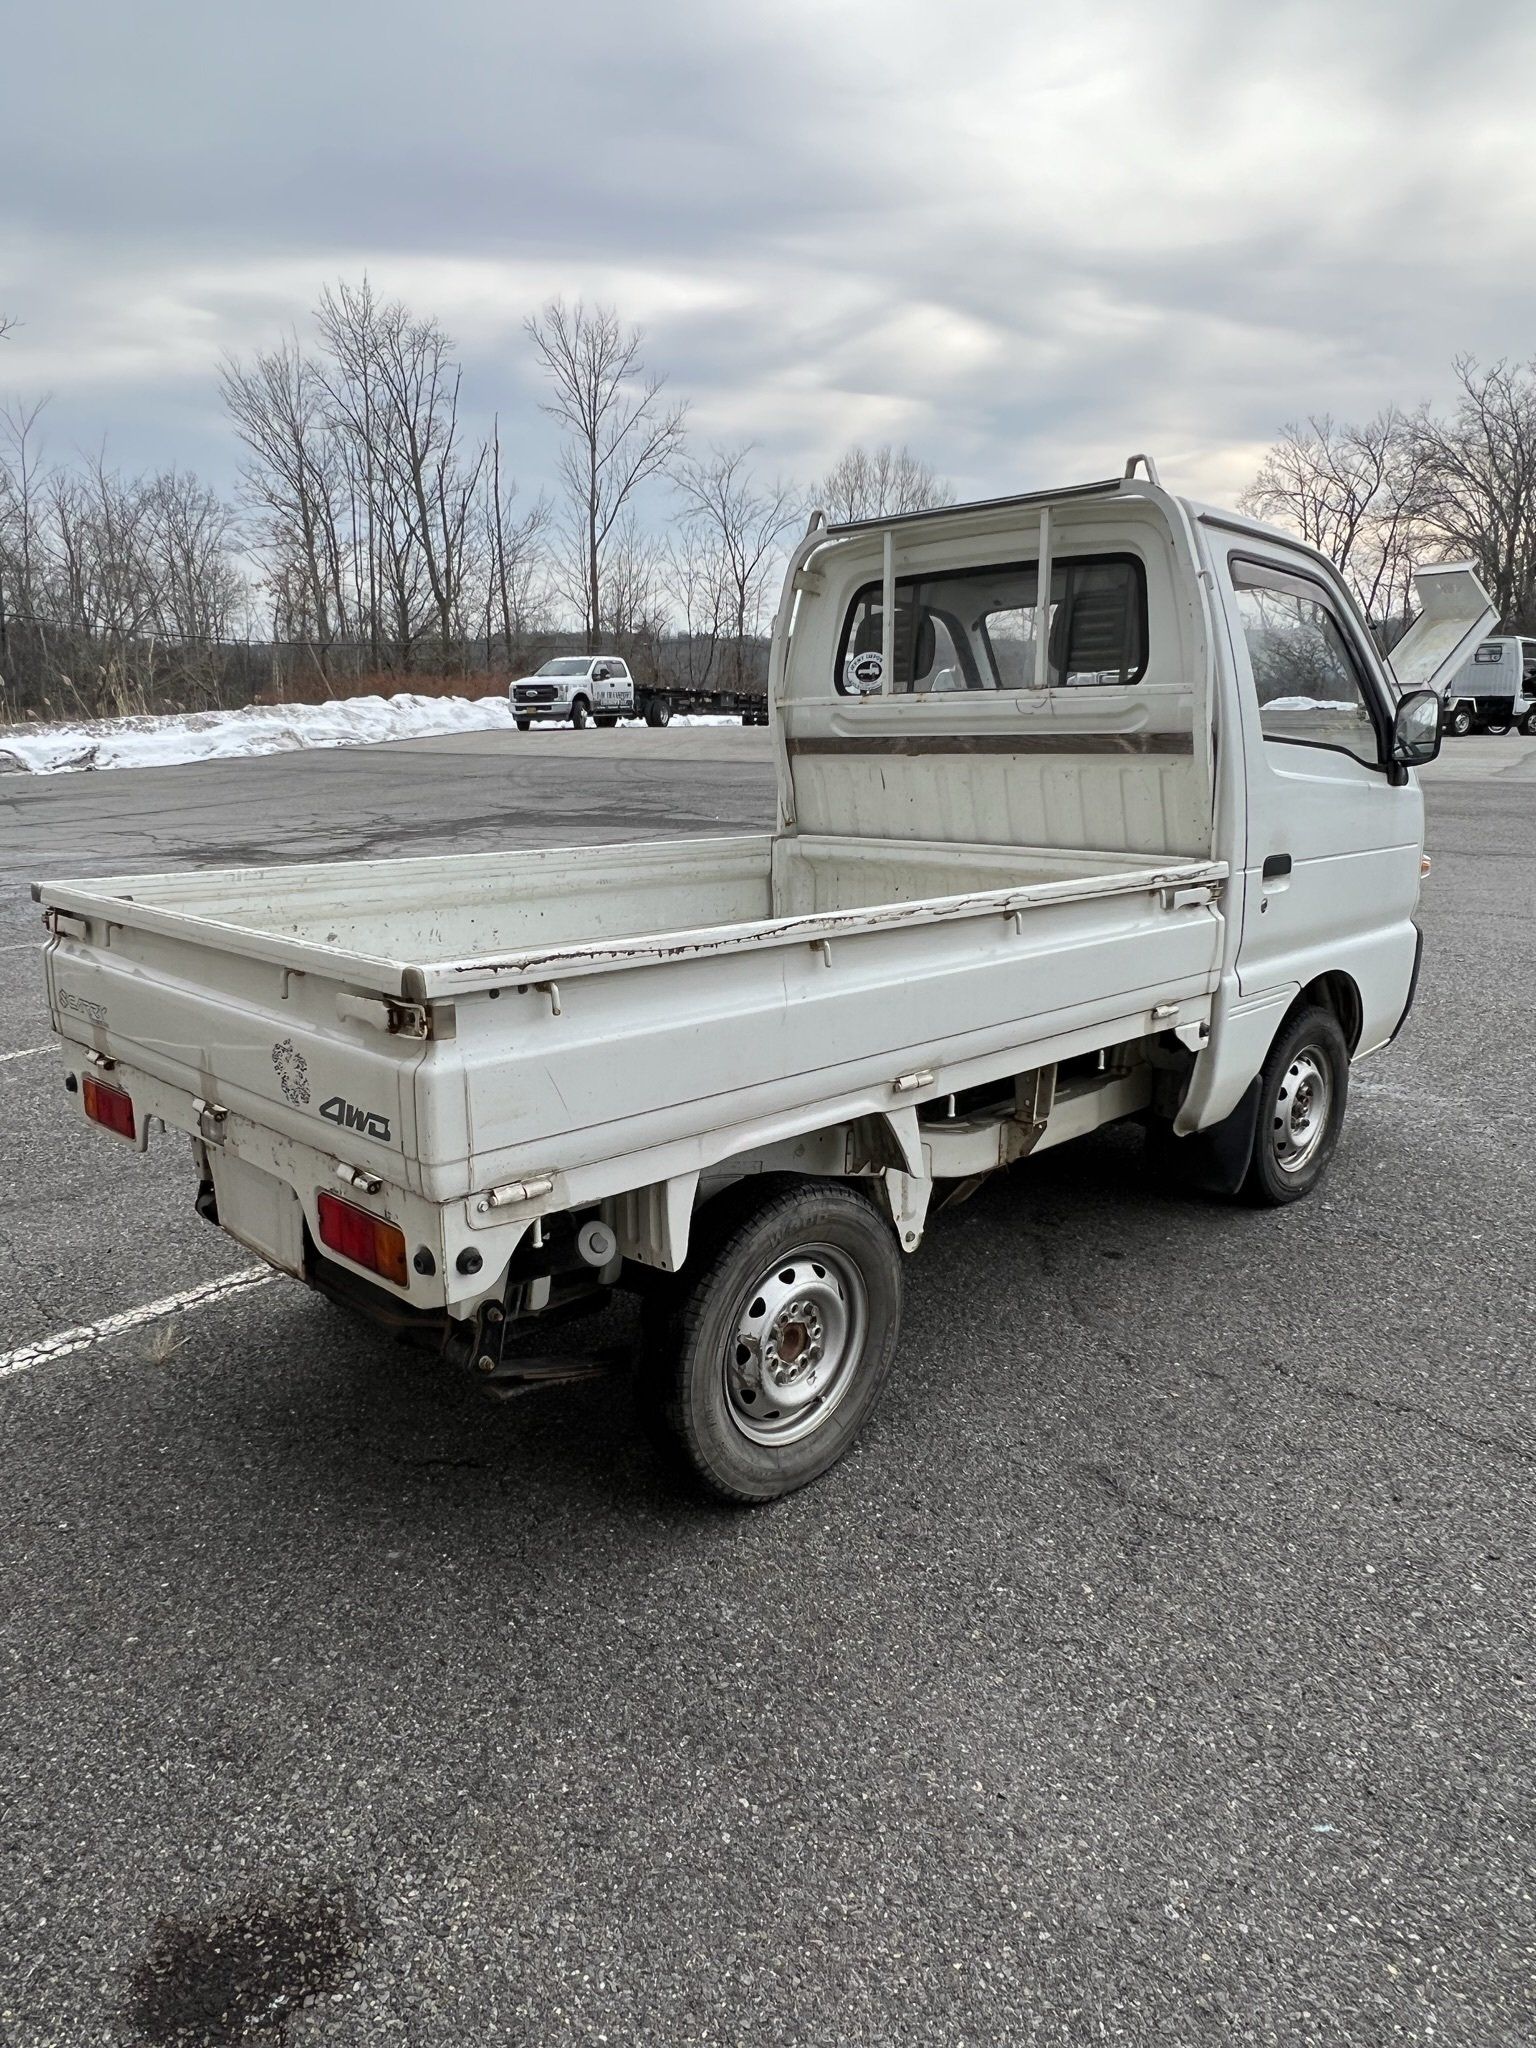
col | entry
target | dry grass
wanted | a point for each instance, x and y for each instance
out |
(165, 1340)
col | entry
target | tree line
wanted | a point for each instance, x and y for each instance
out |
(374, 535)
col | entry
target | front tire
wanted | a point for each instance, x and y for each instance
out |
(762, 1367)
(523, 724)
(1458, 722)
(1303, 1093)
(581, 713)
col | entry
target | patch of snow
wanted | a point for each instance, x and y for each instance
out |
(261, 729)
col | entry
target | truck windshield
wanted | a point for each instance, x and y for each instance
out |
(567, 665)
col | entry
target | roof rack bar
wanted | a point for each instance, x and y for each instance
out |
(879, 524)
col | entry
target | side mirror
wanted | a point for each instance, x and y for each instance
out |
(1416, 729)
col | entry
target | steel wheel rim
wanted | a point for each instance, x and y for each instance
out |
(1303, 1110)
(795, 1344)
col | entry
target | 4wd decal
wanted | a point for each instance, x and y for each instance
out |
(292, 1071)
(336, 1110)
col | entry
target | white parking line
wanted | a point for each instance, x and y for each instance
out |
(63, 1342)
(27, 1052)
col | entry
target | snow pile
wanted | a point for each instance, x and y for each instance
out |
(263, 729)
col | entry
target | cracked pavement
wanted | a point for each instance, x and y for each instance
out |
(1159, 1668)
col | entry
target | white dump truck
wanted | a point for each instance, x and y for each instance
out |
(1092, 805)
(1494, 691)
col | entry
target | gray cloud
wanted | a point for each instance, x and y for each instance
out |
(1025, 239)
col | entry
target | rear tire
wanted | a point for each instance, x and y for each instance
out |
(658, 712)
(1528, 725)
(1303, 1093)
(760, 1367)
(581, 713)
(1496, 727)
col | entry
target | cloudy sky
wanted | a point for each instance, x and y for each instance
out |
(1024, 238)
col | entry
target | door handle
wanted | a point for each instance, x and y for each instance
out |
(1276, 865)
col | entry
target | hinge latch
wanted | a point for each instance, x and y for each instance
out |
(211, 1118)
(1190, 896)
(515, 1191)
(908, 1084)
(401, 1020)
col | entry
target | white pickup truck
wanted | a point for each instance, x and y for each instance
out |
(600, 689)
(1092, 804)
(587, 689)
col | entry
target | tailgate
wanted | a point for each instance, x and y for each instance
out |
(311, 1056)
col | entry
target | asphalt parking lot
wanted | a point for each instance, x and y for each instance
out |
(1158, 1668)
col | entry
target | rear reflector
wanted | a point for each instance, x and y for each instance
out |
(109, 1106)
(366, 1240)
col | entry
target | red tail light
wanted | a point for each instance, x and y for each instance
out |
(109, 1106)
(366, 1240)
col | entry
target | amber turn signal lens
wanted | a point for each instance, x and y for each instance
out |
(365, 1239)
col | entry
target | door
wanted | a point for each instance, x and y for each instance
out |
(1331, 872)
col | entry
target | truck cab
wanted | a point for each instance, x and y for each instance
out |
(587, 689)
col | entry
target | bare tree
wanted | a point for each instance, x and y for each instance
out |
(633, 595)
(395, 385)
(1480, 467)
(871, 483)
(367, 489)
(619, 433)
(293, 480)
(188, 545)
(21, 474)
(1356, 492)
(743, 522)
(691, 576)
(513, 558)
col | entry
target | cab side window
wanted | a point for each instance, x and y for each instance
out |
(1309, 686)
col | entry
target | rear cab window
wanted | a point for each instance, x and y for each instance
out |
(975, 629)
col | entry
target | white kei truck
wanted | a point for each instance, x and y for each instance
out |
(1093, 804)
(1494, 692)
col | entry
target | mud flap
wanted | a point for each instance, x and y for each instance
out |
(1216, 1161)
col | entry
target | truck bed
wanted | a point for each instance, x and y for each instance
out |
(602, 1017)
(447, 924)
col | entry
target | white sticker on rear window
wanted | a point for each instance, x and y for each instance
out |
(863, 674)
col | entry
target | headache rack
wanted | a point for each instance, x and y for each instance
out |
(1103, 487)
